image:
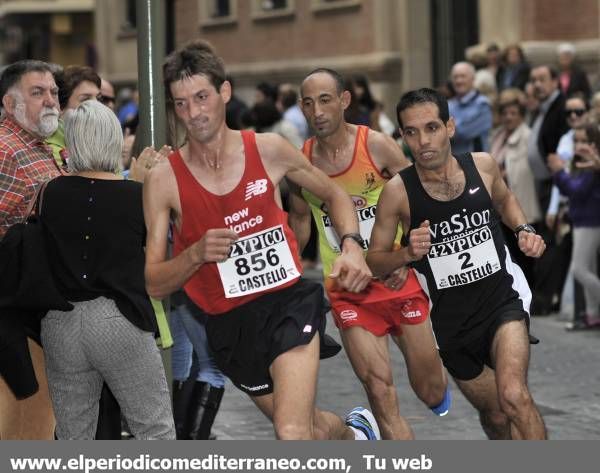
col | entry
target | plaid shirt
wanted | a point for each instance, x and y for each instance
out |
(25, 163)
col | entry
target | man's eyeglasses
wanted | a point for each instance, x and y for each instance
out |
(577, 111)
(106, 99)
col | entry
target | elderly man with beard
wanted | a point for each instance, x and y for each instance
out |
(30, 101)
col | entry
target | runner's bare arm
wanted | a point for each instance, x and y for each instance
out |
(281, 158)
(386, 153)
(165, 276)
(507, 205)
(299, 216)
(392, 210)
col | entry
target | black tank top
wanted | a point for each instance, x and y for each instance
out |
(468, 273)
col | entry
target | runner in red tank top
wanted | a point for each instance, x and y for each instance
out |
(236, 257)
(361, 161)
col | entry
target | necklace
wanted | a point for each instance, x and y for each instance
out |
(339, 151)
(215, 163)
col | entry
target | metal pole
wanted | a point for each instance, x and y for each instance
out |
(151, 130)
(150, 16)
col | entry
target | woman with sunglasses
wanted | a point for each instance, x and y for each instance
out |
(576, 110)
(577, 114)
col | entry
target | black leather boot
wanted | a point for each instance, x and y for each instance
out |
(182, 397)
(204, 408)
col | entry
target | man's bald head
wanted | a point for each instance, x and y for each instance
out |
(335, 76)
(462, 77)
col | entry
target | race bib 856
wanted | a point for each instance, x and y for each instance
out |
(257, 262)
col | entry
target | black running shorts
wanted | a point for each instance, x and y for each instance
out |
(246, 340)
(467, 362)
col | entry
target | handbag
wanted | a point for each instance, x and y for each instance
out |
(27, 292)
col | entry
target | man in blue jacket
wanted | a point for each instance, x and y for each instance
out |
(471, 111)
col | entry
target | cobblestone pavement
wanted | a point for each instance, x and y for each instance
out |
(564, 378)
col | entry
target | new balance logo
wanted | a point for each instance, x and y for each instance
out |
(256, 188)
(472, 191)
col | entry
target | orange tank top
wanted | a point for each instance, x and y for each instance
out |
(363, 181)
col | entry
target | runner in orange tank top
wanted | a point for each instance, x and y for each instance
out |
(361, 161)
(236, 257)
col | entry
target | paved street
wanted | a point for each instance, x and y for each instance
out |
(564, 378)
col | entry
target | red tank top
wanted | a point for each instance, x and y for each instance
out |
(264, 259)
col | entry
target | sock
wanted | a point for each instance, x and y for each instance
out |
(443, 407)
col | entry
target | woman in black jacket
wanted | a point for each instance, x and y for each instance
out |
(95, 235)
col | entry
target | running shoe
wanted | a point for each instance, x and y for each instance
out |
(576, 325)
(443, 407)
(362, 419)
(581, 324)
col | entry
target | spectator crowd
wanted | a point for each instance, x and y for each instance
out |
(72, 168)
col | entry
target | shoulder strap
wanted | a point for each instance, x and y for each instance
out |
(410, 177)
(472, 176)
(176, 162)
(35, 205)
(467, 164)
(254, 162)
(414, 191)
(307, 148)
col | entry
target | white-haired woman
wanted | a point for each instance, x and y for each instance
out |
(95, 235)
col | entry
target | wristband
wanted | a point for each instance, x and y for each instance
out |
(354, 236)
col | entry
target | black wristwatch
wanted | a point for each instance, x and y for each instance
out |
(525, 227)
(354, 236)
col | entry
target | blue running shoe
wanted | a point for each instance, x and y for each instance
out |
(361, 419)
(443, 407)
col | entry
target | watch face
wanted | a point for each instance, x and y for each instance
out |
(526, 228)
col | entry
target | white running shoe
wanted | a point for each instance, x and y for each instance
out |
(361, 419)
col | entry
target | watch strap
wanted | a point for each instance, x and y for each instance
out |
(354, 236)
(525, 227)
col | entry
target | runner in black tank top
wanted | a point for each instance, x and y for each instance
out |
(451, 208)
(468, 265)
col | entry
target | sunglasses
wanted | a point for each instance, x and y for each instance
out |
(577, 111)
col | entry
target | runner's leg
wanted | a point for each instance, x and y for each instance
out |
(291, 405)
(482, 393)
(425, 369)
(370, 359)
(510, 354)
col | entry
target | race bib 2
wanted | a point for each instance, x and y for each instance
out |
(464, 259)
